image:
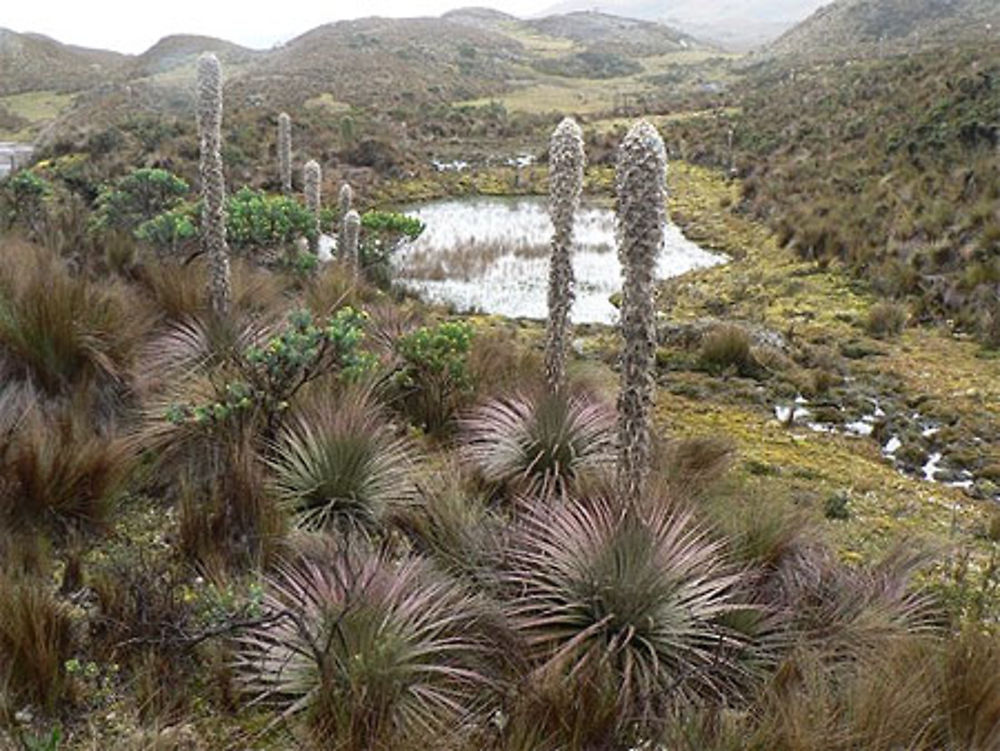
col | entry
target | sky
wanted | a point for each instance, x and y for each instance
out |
(133, 26)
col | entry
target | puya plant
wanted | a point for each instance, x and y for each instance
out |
(312, 179)
(285, 152)
(345, 201)
(641, 184)
(566, 163)
(213, 185)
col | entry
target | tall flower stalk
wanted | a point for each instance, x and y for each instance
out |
(213, 185)
(566, 163)
(641, 182)
(285, 152)
(349, 236)
(345, 200)
(312, 177)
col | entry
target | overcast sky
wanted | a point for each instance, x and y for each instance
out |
(135, 25)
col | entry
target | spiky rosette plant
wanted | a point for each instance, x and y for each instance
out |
(285, 152)
(373, 653)
(340, 466)
(312, 177)
(641, 184)
(540, 446)
(350, 233)
(213, 186)
(624, 615)
(566, 163)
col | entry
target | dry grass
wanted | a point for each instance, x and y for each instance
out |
(35, 641)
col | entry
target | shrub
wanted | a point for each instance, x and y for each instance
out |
(432, 376)
(382, 234)
(137, 198)
(171, 232)
(265, 376)
(540, 446)
(23, 199)
(372, 653)
(256, 221)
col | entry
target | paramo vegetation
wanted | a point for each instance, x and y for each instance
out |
(253, 496)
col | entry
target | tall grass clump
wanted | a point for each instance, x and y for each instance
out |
(63, 333)
(566, 163)
(57, 468)
(285, 152)
(641, 183)
(36, 639)
(213, 184)
(370, 652)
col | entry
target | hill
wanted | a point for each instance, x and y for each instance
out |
(614, 34)
(388, 60)
(737, 25)
(179, 50)
(850, 28)
(32, 62)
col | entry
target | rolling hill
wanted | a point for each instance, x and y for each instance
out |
(737, 25)
(849, 28)
(32, 62)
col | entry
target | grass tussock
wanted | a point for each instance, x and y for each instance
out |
(56, 468)
(36, 639)
(62, 333)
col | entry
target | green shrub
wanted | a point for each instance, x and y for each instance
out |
(382, 234)
(23, 198)
(172, 230)
(256, 220)
(138, 197)
(432, 378)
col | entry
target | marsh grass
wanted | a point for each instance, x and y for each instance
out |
(467, 260)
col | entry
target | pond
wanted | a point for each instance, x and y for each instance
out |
(13, 155)
(492, 255)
